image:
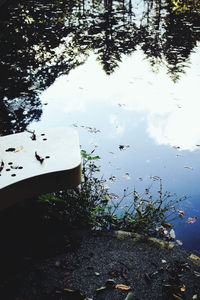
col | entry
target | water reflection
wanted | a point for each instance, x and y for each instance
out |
(42, 40)
(54, 53)
(129, 108)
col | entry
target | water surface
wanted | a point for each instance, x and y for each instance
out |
(121, 73)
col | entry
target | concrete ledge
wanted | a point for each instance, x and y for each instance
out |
(39, 162)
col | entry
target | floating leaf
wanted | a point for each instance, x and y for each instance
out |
(112, 178)
(194, 257)
(114, 196)
(38, 157)
(181, 212)
(172, 234)
(126, 176)
(168, 225)
(180, 243)
(19, 149)
(123, 147)
(188, 167)
(10, 150)
(191, 220)
(2, 166)
(123, 287)
(155, 178)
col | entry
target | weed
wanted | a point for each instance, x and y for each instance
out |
(91, 205)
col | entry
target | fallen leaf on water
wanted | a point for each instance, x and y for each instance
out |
(155, 178)
(181, 212)
(2, 166)
(19, 149)
(188, 167)
(180, 243)
(172, 234)
(126, 176)
(38, 157)
(114, 196)
(168, 225)
(123, 287)
(112, 178)
(10, 150)
(193, 256)
(191, 220)
(123, 147)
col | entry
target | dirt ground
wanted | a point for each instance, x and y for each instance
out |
(53, 263)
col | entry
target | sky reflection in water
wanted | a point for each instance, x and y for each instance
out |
(147, 111)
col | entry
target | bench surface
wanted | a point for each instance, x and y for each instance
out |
(38, 162)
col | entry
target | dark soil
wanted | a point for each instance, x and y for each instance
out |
(49, 262)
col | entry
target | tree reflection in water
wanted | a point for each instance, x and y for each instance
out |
(41, 40)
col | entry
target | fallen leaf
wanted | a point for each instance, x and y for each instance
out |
(181, 212)
(155, 178)
(112, 178)
(2, 166)
(168, 225)
(172, 234)
(114, 196)
(19, 149)
(126, 176)
(188, 167)
(193, 256)
(123, 287)
(10, 150)
(180, 243)
(123, 147)
(191, 220)
(38, 157)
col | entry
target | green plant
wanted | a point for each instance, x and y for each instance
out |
(91, 205)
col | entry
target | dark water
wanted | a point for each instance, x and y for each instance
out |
(121, 72)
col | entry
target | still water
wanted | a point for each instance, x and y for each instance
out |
(123, 74)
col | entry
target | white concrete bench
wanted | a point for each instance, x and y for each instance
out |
(33, 163)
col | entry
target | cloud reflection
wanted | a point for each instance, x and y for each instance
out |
(171, 110)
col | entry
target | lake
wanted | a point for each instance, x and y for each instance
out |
(125, 74)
